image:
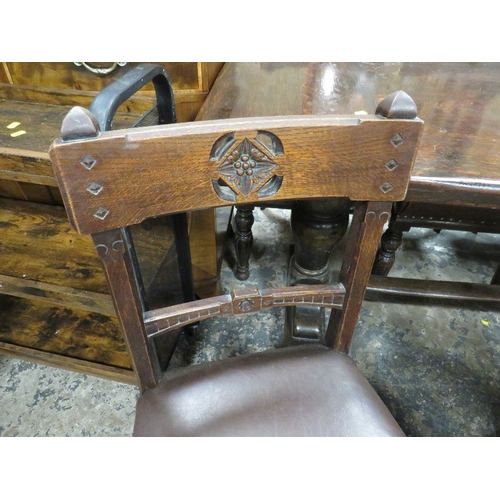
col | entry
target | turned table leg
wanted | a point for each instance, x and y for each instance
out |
(243, 240)
(317, 228)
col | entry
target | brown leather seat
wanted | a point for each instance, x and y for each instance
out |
(306, 390)
(112, 180)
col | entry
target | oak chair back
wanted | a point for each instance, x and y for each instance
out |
(111, 180)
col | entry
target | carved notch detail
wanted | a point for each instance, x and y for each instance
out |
(241, 302)
(88, 162)
(101, 213)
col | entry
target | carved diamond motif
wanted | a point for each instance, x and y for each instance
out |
(246, 167)
(94, 188)
(386, 187)
(397, 140)
(88, 162)
(101, 213)
(392, 165)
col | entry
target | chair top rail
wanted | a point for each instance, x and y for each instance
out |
(118, 178)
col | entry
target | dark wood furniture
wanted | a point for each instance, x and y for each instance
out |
(310, 389)
(456, 179)
(71, 84)
(59, 311)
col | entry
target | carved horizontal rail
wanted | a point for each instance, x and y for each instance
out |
(244, 301)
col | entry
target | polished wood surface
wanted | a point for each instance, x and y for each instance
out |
(458, 102)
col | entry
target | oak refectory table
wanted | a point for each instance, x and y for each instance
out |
(456, 178)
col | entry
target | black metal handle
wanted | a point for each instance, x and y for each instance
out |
(104, 107)
(108, 100)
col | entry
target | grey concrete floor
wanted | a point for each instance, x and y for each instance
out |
(437, 368)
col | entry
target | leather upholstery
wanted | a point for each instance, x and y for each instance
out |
(307, 390)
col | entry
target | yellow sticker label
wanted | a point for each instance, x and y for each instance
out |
(13, 125)
(18, 133)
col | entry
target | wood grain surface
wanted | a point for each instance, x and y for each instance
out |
(322, 156)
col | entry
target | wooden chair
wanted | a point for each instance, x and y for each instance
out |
(111, 180)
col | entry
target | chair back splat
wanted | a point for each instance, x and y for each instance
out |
(111, 180)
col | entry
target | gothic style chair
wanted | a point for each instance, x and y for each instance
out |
(114, 179)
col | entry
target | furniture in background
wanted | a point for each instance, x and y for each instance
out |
(68, 84)
(55, 305)
(437, 216)
(311, 389)
(455, 182)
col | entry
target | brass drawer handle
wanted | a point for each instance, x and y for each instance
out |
(101, 71)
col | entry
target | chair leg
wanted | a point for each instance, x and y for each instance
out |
(361, 241)
(391, 240)
(116, 252)
(243, 241)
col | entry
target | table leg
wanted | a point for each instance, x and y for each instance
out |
(317, 227)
